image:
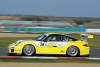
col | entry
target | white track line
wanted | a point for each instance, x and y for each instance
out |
(40, 57)
(94, 58)
(64, 58)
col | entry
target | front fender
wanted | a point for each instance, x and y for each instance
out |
(23, 44)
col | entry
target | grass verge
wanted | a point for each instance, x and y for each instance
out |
(49, 61)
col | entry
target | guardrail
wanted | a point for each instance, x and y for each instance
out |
(44, 30)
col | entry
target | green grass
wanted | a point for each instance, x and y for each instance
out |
(5, 41)
(49, 61)
(92, 23)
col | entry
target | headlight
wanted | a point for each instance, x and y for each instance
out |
(12, 46)
(17, 42)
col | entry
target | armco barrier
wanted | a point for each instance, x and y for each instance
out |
(45, 30)
(93, 30)
(49, 58)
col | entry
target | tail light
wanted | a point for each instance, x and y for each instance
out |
(86, 45)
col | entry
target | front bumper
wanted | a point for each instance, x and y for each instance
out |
(14, 50)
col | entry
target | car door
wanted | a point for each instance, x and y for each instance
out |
(52, 44)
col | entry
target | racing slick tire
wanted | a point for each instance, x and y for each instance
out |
(73, 51)
(28, 50)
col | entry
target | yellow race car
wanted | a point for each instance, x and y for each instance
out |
(53, 44)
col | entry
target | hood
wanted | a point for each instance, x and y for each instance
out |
(17, 42)
(23, 40)
(20, 41)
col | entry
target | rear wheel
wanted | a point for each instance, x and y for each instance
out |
(73, 51)
(28, 50)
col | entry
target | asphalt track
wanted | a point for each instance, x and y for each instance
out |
(93, 52)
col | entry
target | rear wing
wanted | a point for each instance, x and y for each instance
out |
(85, 37)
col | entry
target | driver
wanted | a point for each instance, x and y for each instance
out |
(54, 38)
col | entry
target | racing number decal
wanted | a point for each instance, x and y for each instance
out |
(48, 44)
(41, 44)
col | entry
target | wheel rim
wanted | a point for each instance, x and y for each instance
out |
(72, 51)
(28, 50)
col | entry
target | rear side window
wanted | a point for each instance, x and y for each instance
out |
(65, 38)
(54, 38)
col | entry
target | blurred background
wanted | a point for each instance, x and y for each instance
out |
(66, 15)
(48, 21)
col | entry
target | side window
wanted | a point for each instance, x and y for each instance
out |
(54, 38)
(65, 38)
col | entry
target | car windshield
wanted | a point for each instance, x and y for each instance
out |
(40, 37)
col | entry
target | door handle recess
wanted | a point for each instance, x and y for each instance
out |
(54, 46)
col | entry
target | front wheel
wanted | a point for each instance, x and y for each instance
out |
(73, 51)
(28, 50)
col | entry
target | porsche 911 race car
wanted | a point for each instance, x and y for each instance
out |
(52, 43)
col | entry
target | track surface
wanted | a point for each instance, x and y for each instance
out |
(93, 52)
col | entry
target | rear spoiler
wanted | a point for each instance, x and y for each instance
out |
(87, 36)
